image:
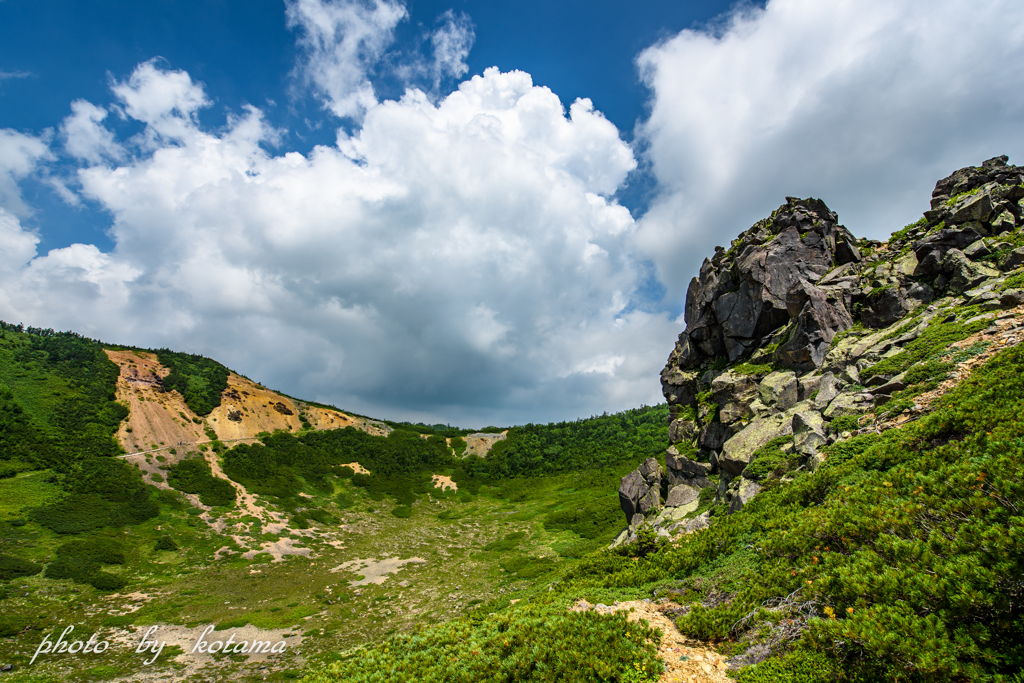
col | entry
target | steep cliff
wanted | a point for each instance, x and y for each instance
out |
(799, 335)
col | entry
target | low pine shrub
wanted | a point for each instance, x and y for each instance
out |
(527, 645)
(12, 567)
(195, 476)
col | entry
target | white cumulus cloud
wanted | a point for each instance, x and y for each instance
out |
(84, 135)
(19, 156)
(863, 103)
(342, 41)
(457, 260)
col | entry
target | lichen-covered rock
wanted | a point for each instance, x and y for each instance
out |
(737, 451)
(745, 293)
(779, 390)
(682, 495)
(745, 490)
(682, 430)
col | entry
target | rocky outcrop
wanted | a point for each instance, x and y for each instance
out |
(784, 329)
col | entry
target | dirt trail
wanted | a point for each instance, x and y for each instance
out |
(685, 660)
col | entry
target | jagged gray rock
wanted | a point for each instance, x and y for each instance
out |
(775, 301)
(640, 490)
(680, 469)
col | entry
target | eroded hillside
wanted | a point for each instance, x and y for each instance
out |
(161, 419)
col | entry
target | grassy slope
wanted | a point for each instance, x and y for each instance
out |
(899, 560)
(496, 536)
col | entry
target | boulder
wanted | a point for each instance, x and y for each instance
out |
(640, 490)
(963, 272)
(845, 404)
(680, 469)
(1012, 298)
(682, 430)
(828, 389)
(1015, 259)
(818, 317)
(714, 435)
(682, 495)
(745, 490)
(779, 389)
(884, 306)
(807, 385)
(741, 295)
(736, 452)
(977, 208)
(733, 393)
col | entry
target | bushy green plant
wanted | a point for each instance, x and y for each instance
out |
(12, 567)
(770, 460)
(165, 542)
(199, 380)
(195, 476)
(844, 423)
(935, 339)
(528, 645)
(800, 666)
(402, 511)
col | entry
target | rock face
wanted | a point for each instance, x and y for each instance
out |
(764, 281)
(784, 326)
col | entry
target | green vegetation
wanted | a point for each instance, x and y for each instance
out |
(195, 476)
(57, 402)
(914, 531)
(771, 460)
(15, 568)
(753, 369)
(526, 644)
(80, 561)
(905, 231)
(199, 380)
(935, 339)
(98, 492)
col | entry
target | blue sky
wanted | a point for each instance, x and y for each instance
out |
(463, 212)
(244, 53)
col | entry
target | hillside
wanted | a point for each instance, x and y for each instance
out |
(832, 492)
(144, 488)
(841, 493)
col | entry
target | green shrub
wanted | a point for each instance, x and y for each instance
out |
(119, 621)
(402, 511)
(11, 625)
(526, 645)
(753, 369)
(935, 339)
(770, 460)
(592, 519)
(97, 550)
(199, 380)
(344, 500)
(165, 542)
(800, 666)
(12, 567)
(844, 423)
(195, 476)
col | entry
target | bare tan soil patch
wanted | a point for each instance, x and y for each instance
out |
(480, 444)
(357, 468)
(685, 660)
(444, 483)
(155, 416)
(373, 571)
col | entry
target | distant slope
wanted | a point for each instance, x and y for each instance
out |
(160, 418)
